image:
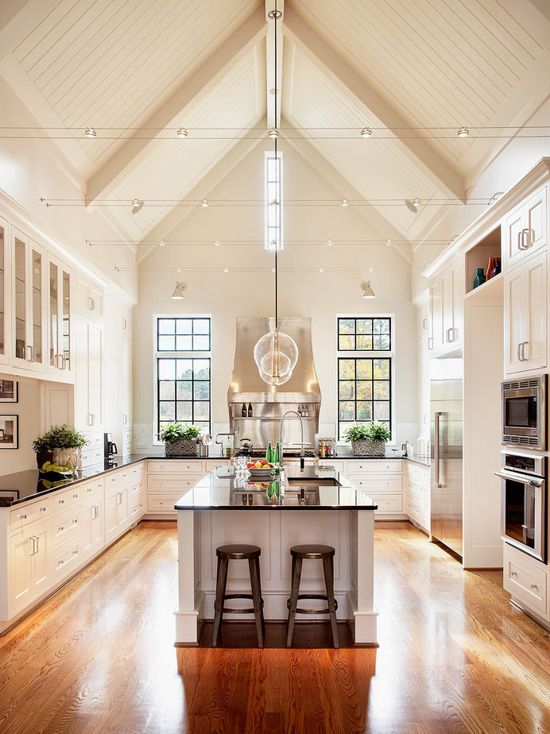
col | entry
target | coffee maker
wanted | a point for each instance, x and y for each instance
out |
(109, 449)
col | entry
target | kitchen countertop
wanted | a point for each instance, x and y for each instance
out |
(311, 489)
(26, 485)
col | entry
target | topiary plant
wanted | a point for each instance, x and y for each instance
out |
(60, 437)
(177, 431)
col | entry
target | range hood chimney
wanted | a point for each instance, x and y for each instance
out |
(301, 393)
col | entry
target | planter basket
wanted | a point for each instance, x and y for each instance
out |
(368, 448)
(182, 447)
(60, 456)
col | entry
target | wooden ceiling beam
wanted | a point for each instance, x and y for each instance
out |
(337, 68)
(188, 90)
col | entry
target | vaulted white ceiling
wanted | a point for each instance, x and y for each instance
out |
(136, 70)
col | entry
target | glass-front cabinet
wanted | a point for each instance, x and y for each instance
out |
(59, 317)
(4, 293)
(29, 303)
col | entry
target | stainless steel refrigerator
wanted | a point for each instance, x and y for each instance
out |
(447, 401)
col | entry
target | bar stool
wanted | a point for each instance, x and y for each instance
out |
(300, 553)
(250, 553)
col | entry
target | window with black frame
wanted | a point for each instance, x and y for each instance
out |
(364, 382)
(183, 368)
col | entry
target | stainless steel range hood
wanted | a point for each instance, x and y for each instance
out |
(301, 393)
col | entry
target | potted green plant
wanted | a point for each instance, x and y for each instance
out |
(368, 440)
(60, 447)
(180, 440)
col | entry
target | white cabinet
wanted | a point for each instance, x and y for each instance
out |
(525, 319)
(29, 303)
(116, 505)
(29, 564)
(92, 518)
(89, 375)
(417, 494)
(446, 308)
(382, 480)
(527, 581)
(59, 317)
(169, 479)
(525, 229)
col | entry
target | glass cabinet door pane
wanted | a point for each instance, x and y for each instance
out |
(37, 305)
(20, 303)
(54, 325)
(66, 333)
(2, 290)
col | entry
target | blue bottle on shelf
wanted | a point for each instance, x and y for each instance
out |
(479, 277)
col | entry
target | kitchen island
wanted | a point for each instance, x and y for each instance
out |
(311, 506)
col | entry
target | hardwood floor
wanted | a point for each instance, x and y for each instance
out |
(453, 657)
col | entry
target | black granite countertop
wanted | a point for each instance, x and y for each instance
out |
(313, 488)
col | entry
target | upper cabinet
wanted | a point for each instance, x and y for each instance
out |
(525, 229)
(59, 317)
(446, 309)
(29, 303)
(4, 292)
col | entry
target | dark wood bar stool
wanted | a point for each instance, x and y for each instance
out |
(300, 553)
(250, 553)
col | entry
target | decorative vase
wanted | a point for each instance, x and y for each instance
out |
(479, 278)
(368, 447)
(490, 268)
(59, 456)
(182, 447)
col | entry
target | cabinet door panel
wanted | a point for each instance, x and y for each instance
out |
(535, 309)
(513, 226)
(95, 355)
(458, 303)
(20, 570)
(436, 317)
(40, 560)
(535, 220)
(514, 318)
(448, 304)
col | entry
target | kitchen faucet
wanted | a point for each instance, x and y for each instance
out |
(281, 426)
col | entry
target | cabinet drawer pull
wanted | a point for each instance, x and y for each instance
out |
(75, 520)
(513, 574)
(75, 496)
(61, 502)
(42, 509)
(535, 587)
(430, 343)
(60, 562)
(75, 552)
(60, 528)
(22, 517)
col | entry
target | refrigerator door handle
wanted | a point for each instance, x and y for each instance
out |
(437, 450)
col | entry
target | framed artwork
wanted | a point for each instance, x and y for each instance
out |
(9, 431)
(9, 391)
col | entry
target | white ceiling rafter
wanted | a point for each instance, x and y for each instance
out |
(326, 170)
(273, 92)
(337, 68)
(249, 33)
(205, 186)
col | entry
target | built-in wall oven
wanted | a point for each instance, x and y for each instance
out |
(524, 412)
(523, 482)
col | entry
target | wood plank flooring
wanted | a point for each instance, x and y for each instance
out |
(453, 657)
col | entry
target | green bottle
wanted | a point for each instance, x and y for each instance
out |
(269, 453)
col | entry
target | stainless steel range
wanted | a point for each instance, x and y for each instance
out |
(255, 408)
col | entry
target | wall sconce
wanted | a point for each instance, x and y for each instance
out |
(177, 295)
(366, 290)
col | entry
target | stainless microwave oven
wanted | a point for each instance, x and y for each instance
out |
(524, 412)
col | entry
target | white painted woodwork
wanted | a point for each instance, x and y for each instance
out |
(446, 296)
(201, 532)
(525, 230)
(417, 494)
(527, 581)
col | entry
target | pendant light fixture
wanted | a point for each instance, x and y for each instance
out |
(275, 353)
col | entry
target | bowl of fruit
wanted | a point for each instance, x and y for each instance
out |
(56, 471)
(260, 469)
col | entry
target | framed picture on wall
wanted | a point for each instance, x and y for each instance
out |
(9, 431)
(9, 391)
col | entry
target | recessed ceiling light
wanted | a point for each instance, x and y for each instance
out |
(217, 243)
(463, 132)
(273, 133)
(330, 243)
(182, 132)
(387, 243)
(162, 243)
(344, 202)
(366, 132)
(90, 132)
(137, 204)
(204, 203)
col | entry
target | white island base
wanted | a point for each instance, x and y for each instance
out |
(275, 530)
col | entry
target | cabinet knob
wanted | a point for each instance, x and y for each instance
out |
(535, 587)
(513, 573)
(22, 517)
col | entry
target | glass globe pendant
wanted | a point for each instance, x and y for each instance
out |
(275, 355)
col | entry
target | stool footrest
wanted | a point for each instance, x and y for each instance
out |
(322, 597)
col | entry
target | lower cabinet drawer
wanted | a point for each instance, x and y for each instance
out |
(66, 527)
(176, 466)
(374, 466)
(171, 484)
(525, 581)
(372, 483)
(160, 503)
(66, 559)
(388, 503)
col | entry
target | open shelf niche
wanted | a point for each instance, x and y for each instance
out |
(478, 255)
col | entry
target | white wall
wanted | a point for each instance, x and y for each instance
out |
(303, 290)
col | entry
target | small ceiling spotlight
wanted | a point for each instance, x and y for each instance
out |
(179, 269)
(275, 14)
(217, 243)
(321, 270)
(413, 205)
(273, 133)
(177, 295)
(330, 243)
(90, 132)
(182, 132)
(366, 290)
(162, 243)
(462, 132)
(204, 203)
(366, 132)
(344, 202)
(137, 204)
(371, 269)
(226, 270)
(387, 243)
